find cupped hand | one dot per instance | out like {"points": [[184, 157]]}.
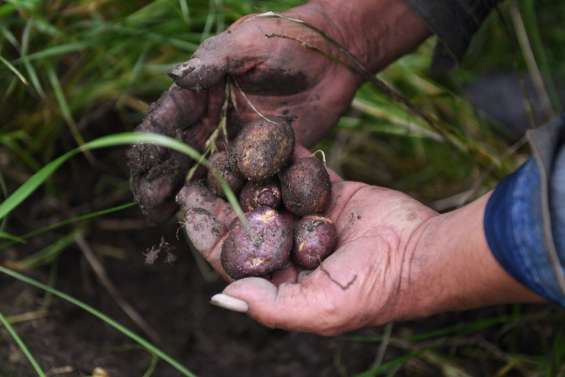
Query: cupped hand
{"points": [[270, 75], [364, 282]]}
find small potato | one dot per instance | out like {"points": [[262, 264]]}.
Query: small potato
{"points": [[260, 194], [262, 248], [306, 187], [225, 166], [315, 237], [263, 148]]}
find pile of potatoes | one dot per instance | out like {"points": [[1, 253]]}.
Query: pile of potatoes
{"points": [[282, 199]]}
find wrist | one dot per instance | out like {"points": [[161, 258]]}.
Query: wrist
{"points": [[377, 32], [456, 269]]}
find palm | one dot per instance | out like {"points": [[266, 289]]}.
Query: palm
{"points": [[374, 228]]}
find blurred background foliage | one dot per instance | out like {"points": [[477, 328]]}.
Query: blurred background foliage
{"points": [[71, 71]]}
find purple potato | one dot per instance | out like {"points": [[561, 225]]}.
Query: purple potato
{"points": [[261, 249], [306, 187], [260, 194], [263, 148], [315, 237], [226, 167]]}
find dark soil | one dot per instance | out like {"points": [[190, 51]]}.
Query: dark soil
{"points": [[173, 298]]}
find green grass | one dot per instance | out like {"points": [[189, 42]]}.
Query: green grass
{"points": [[22, 346], [62, 62]]}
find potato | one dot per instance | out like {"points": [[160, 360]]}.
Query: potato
{"points": [[226, 167], [260, 194], [263, 148], [315, 237], [262, 248], [306, 187]]}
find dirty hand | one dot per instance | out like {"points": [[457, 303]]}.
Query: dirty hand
{"points": [[395, 259], [267, 76], [273, 69]]}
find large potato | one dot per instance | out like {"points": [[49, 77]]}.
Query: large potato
{"points": [[315, 237], [263, 148], [306, 187], [262, 248]]}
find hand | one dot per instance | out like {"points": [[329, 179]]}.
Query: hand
{"points": [[396, 259], [275, 77], [271, 75]]}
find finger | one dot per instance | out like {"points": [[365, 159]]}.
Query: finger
{"points": [[307, 306], [156, 172], [213, 59], [206, 221], [286, 275], [196, 195], [203, 229]]}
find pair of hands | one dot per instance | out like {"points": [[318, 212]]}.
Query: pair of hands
{"points": [[392, 259]]}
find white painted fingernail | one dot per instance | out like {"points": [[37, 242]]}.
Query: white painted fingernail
{"points": [[229, 303]]}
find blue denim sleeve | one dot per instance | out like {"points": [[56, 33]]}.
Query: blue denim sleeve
{"points": [[526, 233]]}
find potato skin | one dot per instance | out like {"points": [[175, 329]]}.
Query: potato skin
{"points": [[260, 194], [306, 187], [315, 237], [225, 165], [263, 249], [263, 148]]}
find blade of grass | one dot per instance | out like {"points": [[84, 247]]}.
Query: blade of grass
{"points": [[29, 67], [46, 255], [11, 237], [64, 107], [4, 192], [530, 59], [109, 321], [76, 219], [389, 365], [531, 21], [14, 70], [152, 366], [22, 346], [61, 49], [26, 189]]}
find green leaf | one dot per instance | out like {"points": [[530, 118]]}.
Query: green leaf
{"points": [[26, 189], [22, 346], [14, 70], [54, 51], [109, 321], [76, 219], [45, 255], [390, 365], [11, 237]]}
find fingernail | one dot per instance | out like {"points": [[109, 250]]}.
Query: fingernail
{"points": [[230, 303]]}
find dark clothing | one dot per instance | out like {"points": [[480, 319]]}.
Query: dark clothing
{"points": [[454, 22]]}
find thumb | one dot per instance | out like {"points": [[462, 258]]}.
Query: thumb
{"points": [[206, 67], [235, 51], [289, 306]]}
